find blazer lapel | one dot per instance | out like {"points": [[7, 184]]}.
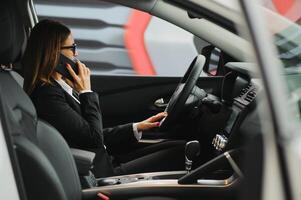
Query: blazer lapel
{"points": [[70, 100]]}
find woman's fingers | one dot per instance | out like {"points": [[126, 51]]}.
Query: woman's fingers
{"points": [[87, 71], [145, 125], [157, 117], [71, 71], [82, 79], [154, 124], [151, 125], [151, 122], [80, 67], [83, 69]]}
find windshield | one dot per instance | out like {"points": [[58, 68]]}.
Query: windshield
{"points": [[284, 18]]}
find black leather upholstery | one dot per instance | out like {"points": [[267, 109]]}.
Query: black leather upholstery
{"points": [[12, 33], [46, 163]]}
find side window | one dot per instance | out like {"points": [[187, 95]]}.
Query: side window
{"points": [[114, 39]]}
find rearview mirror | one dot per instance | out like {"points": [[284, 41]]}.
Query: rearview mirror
{"points": [[214, 59], [212, 55]]}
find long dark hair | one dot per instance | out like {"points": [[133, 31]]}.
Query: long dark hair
{"points": [[42, 53]]}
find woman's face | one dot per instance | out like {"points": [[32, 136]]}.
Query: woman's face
{"points": [[68, 48]]}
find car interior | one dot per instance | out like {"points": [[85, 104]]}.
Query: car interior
{"points": [[216, 115]]}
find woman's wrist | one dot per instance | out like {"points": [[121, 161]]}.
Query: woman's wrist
{"points": [[138, 126]]}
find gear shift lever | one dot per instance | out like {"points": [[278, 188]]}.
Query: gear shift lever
{"points": [[192, 150]]}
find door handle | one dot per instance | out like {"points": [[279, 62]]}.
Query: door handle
{"points": [[160, 103]]}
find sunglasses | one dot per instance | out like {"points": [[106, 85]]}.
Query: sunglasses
{"points": [[73, 47]]}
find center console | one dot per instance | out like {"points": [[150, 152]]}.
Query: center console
{"points": [[221, 174], [215, 172], [84, 162]]}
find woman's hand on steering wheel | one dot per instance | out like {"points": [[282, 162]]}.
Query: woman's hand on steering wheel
{"points": [[151, 122]]}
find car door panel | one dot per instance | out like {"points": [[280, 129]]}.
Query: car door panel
{"points": [[126, 99]]}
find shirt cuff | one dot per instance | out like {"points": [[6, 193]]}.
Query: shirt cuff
{"points": [[137, 134], [85, 91]]}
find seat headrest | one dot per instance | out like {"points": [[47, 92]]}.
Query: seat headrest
{"points": [[12, 32]]}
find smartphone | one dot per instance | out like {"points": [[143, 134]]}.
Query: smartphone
{"points": [[62, 69]]}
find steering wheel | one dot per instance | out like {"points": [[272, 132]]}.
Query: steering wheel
{"points": [[177, 101]]}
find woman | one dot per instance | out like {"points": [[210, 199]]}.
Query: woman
{"points": [[73, 109]]}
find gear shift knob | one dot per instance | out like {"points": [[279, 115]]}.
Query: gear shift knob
{"points": [[192, 150]]}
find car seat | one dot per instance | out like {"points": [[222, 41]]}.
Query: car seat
{"points": [[46, 163]]}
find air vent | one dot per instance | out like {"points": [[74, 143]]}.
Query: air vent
{"points": [[245, 90], [247, 95], [250, 96]]}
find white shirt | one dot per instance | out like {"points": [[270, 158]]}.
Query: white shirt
{"points": [[69, 89]]}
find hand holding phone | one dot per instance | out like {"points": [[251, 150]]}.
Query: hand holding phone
{"points": [[77, 72], [81, 81], [61, 67]]}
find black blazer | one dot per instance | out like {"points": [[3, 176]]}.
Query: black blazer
{"points": [[80, 124]]}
